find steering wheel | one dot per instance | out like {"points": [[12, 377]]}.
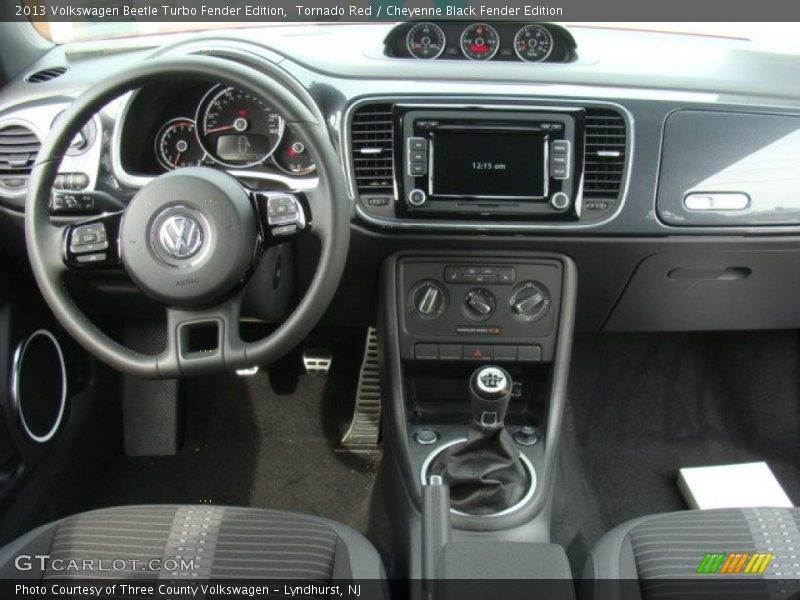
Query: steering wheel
{"points": [[191, 237]]}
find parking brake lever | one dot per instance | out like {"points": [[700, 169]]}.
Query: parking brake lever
{"points": [[435, 529]]}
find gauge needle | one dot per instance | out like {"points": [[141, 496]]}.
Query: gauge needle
{"points": [[178, 159], [223, 128]]}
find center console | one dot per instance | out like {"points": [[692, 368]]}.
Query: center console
{"points": [[475, 358]]}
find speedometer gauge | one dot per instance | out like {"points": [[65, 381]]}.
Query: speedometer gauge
{"points": [[237, 129], [425, 40], [533, 43], [480, 42], [177, 145]]}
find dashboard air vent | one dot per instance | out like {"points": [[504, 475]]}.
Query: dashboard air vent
{"points": [[18, 149], [371, 138], [46, 75], [604, 162]]}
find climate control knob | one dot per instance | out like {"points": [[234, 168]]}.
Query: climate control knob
{"points": [[479, 304], [428, 299], [529, 301]]}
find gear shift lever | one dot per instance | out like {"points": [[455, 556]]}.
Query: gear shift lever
{"points": [[485, 473], [489, 394]]}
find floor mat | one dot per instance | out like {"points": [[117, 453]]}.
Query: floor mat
{"points": [[257, 441], [642, 406]]}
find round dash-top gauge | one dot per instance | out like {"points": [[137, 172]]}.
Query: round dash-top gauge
{"points": [[533, 43], [426, 41], [480, 41]]}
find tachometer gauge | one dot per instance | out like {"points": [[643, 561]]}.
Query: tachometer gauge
{"points": [[177, 145], [237, 129], [480, 41], [293, 157], [425, 40], [533, 43]]}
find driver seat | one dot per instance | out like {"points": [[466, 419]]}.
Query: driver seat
{"points": [[192, 542]]}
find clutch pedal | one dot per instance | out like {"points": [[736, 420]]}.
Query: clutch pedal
{"points": [[365, 428], [317, 362]]}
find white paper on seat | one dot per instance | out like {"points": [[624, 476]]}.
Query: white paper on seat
{"points": [[732, 486]]}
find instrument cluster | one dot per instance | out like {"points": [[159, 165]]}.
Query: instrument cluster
{"points": [[531, 42], [218, 126]]}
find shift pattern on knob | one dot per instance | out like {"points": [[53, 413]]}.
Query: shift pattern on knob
{"points": [[492, 381], [490, 393]]}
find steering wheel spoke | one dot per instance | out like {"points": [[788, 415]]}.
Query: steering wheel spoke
{"points": [[283, 216], [199, 340], [93, 243]]}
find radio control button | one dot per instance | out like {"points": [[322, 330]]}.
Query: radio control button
{"points": [[560, 146], [417, 197], [559, 172], [417, 156], [416, 169], [559, 201], [417, 144], [559, 159]]}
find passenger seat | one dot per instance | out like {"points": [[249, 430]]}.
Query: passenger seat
{"points": [[673, 555]]}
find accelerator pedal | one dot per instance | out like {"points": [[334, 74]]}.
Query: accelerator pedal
{"points": [[365, 428]]}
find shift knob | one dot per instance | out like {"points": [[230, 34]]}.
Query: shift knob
{"points": [[489, 393]]}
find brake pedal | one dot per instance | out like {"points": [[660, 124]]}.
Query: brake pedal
{"points": [[365, 428], [317, 362]]}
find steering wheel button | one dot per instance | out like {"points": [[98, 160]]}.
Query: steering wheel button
{"points": [[91, 258], [85, 248], [284, 229]]}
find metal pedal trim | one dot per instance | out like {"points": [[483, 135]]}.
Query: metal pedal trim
{"points": [[365, 428], [317, 362]]}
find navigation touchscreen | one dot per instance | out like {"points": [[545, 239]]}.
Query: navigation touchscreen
{"points": [[489, 164]]}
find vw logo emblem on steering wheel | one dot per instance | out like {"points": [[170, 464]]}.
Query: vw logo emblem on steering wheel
{"points": [[178, 234], [181, 236]]}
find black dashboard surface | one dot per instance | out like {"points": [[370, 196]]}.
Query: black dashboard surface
{"points": [[645, 76]]}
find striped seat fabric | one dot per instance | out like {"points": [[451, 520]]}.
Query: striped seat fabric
{"points": [[197, 542], [742, 553]]}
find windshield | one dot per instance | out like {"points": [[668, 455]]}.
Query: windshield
{"points": [[780, 36]]}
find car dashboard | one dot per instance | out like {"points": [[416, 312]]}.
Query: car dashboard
{"points": [[643, 160]]}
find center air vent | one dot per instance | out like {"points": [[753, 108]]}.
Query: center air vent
{"points": [[18, 149], [46, 75], [371, 138], [604, 162]]}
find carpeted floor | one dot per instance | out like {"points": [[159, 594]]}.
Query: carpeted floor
{"points": [[264, 441], [642, 406]]}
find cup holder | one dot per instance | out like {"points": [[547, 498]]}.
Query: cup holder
{"points": [[39, 385], [426, 465]]}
